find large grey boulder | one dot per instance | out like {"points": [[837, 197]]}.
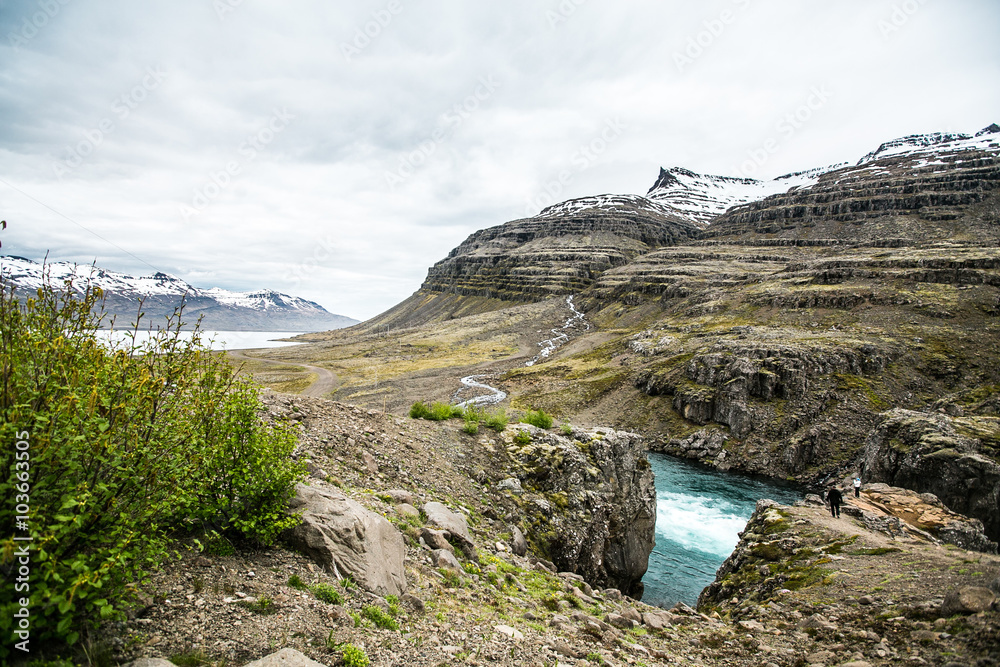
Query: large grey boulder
{"points": [[150, 662], [347, 539], [286, 657], [967, 600], [453, 522]]}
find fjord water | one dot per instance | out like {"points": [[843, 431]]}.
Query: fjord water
{"points": [[216, 340], [699, 513]]}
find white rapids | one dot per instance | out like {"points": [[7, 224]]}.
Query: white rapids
{"points": [[550, 345]]}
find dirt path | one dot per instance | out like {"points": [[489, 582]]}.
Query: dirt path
{"points": [[325, 381]]}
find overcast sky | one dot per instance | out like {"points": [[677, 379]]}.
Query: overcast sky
{"points": [[336, 150]]}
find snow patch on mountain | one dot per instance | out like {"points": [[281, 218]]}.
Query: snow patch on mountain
{"points": [[704, 197], [922, 145], [623, 203]]}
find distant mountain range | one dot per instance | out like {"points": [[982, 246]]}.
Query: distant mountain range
{"points": [[220, 310]]}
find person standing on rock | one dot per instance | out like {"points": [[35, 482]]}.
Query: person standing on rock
{"points": [[835, 498], [857, 486]]}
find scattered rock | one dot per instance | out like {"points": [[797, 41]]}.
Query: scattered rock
{"points": [[967, 600], [286, 657], [445, 558], [513, 633], [401, 496], [518, 544], [442, 517], [511, 484], [436, 539]]}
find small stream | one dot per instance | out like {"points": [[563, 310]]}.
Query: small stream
{"points": [[699, 513], [550, 345]]}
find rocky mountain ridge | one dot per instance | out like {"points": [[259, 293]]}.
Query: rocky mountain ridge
{"points": [[161, 293]]}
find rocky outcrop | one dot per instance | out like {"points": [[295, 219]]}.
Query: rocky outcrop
{"points": [[348, 540], [897, 511], [588, 503], [936, 453]]}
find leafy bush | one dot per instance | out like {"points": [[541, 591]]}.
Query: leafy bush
{"points": [[471, 426], [353, 656], [436, 412], [326, 593], [123, 445], [537, 418], [442, 411], [295, 581], [419, 411], [522, 438], [496, 420], [380, 617]]}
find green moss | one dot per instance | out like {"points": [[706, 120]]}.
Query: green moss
{"points": [[863, 386]]}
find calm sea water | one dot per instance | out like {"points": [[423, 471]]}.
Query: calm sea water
{"points": [[699, 513], [219, 340]]}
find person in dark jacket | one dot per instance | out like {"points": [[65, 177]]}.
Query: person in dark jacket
{"points": [[835, 498]]}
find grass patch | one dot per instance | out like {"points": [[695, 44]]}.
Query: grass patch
{"points": [[538, 418], [295, 581], [327, 593], [380, 617]]}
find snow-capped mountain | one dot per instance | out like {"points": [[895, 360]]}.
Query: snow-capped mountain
{"points": [[703, 197], [263, 310]]}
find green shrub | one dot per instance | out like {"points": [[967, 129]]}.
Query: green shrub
{"points": [[470, 426], [537, 418], [393, 601], [353, 656], [326, 593], [439, 412], [522, 438], [380, 617], [295, 581], [566, 429], [419, 411], [124, 445], [496, 420]]}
